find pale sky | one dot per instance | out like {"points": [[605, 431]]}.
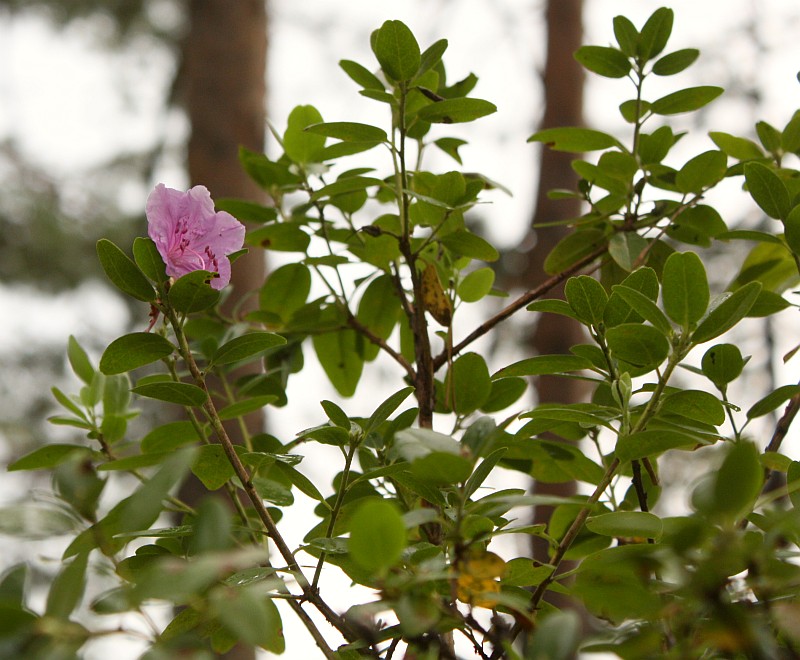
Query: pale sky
{"points": [[70, 106]]}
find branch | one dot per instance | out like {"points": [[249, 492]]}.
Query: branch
{"points": [[519, 303], [782, 427], [258, 504], [359, 327]]}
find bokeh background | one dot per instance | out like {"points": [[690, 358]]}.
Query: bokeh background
{"points": [[93, 113]]}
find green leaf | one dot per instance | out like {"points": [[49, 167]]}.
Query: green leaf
{"points": [[246, 406], [633, 110], [280, 237], [346, 185], [647, 443], [192, 292], [79, 361], [483, 470], [47, 457], [247, 211], [625, 249], [134, 350], [741, 469], [544, 364], [435, 458], [467, 244], [627, 35], [66, 590], [456, 111], [685, 292], [722, 364], [772, 401], [246, 346], [134, 462], [643, 306], [791, 226], [790, 138], [476, 285], [123, 273], [468, 384], [767, 189], [736, 147], [386, 408], [626, 524], [769, 135], [505, 391], [340, 357], [336, 415], [639, 345], [349, 131], [397, 51], [361, 75], [675, 62], [300, 145], [553, 306], [588, 299], [431, 56], [36, 521], [572, 248], [377, 535], [378, 310], [169, 437], [696, 225], [727, 314], [575, 139], [249, 616], [285, 290], [617, 310], [604, 61], [451, 146], [655, 33], [792, 476], [685, 100], [212, 467], [267, 173], [183, 394], [702, 171], [148, 258], [695, 404]]}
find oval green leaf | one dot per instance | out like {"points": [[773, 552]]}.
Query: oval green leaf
{"points": [[397, 50], [377, 535], [639, 345], [728, 313], [246, 346], [193, 293], [134, 350], [685, 292], [184, 394], [123, 273], [686, 100], [626, 524]]}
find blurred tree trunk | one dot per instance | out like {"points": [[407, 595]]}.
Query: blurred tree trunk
{"points": [[225, 55], [224, 91], [563, 91]]}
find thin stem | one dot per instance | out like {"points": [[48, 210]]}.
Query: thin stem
{"points": [[337, 507], [359, 327], [247, 484]]}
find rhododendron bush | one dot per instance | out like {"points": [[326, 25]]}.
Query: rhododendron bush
{"points": [[383, 263]]}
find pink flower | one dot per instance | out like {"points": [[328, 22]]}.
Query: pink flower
{"points": [[190, 235]]}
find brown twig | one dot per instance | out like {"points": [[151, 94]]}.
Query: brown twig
{"points": [[258, 504], [525, 299], [359, 327]]}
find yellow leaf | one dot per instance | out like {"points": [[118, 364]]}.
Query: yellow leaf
{"points": [[434, 299]]}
